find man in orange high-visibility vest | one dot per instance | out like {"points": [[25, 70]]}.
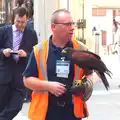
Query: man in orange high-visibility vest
{"points": [[48, 74]]}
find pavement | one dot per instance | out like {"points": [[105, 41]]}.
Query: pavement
{"points": [[103, 105]]}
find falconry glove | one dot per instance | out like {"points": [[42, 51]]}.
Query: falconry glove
{"points": [[82, 87]]}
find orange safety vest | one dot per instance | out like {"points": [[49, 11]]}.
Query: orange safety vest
{"points": [[39, 104]]}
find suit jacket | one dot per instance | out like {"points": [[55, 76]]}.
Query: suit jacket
{"points": [[9, 69], [30, 24]]}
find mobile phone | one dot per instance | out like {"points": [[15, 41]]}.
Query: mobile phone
{"points": [[14, 52]]}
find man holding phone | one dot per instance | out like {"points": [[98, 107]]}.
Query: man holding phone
{"points": [[16, 43]]}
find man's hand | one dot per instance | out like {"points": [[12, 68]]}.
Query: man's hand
{"points": [[6, 52], [56, 88], [22, 53]]}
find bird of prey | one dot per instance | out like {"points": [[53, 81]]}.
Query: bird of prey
{"points": [[88, 60]]}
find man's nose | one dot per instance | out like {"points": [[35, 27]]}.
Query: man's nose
{"points": [[72, 27]]}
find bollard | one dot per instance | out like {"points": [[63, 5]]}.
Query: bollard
{"points": [[97, 43]]}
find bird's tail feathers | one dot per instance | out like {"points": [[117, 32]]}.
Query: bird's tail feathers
{"points": [[104, 79], [109, 73]]}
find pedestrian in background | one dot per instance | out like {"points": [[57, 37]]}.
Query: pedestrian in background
{"points": [[16, 44], [28, 5]]}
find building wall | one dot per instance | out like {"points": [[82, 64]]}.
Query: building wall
{"points": [[102, 11], [103, 21], [80, 11]]}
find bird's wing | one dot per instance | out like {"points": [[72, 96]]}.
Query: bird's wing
{"points": [[85, 59]]}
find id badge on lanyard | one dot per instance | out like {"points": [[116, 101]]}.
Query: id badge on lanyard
{"points": [[62, 68]]}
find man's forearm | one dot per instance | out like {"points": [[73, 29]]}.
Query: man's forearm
{"points": [[36, 84]]}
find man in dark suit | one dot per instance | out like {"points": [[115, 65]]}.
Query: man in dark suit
{"points": [[16, 43], [28, 4]]}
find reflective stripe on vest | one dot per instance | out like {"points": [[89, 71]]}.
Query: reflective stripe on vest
{"points": [[40, 46]]}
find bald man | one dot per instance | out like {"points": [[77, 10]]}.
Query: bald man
{"points": [[48, 74]]}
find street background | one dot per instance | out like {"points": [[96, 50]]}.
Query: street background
{"points": [[103, 105]]}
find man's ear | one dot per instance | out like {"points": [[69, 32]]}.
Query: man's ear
{"points": [[52, 26]]}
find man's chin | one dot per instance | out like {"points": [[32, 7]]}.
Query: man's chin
{"points": [[70, 37], [21, 29]]}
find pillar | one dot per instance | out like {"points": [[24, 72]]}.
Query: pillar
{"points": [[88, 18], [82, 9], [43, 10]]}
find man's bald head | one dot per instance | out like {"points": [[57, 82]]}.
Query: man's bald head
{"points": [[62, 25], [58, 13]]}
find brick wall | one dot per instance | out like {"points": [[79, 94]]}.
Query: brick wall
{"points": [[102, 11]]}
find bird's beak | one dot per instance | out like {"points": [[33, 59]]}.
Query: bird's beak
{"points": [[64, 51]]}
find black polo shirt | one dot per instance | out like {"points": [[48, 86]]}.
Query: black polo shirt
{"points": [[53, 55]]}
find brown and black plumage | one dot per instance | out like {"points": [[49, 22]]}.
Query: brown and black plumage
{"points": [[89, 60]]}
